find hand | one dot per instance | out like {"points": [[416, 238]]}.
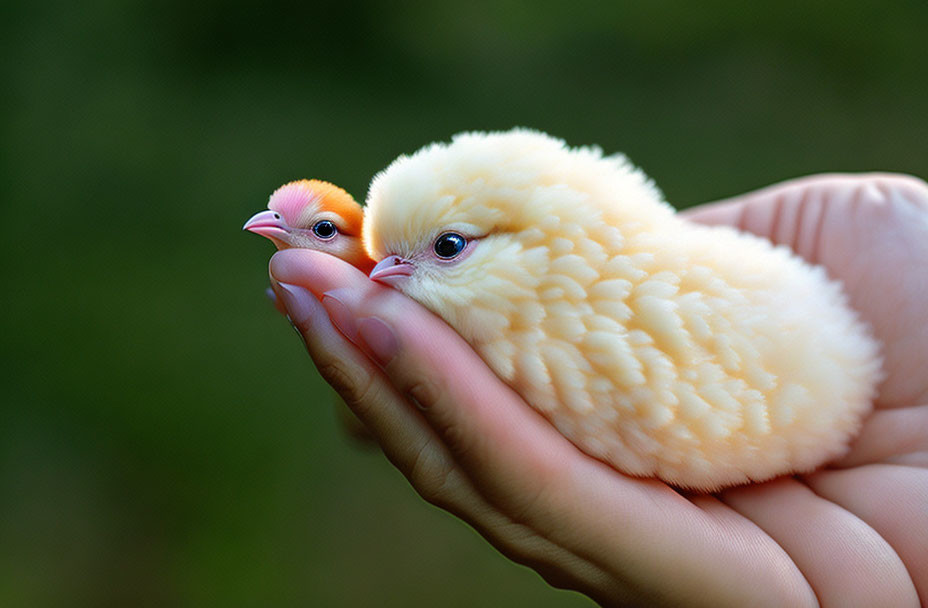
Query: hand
{"points": [[854, 533]]}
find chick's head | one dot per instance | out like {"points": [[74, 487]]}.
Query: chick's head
{"points": [[313, 214], [470, 229]]}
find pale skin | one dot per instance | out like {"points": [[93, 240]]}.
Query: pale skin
{"points": [[854, 533]]}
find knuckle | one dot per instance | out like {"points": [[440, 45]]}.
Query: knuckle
{"points": [[525, 510], [354, 386], [558, 566], [880, 189], [441, 416], [910, 182], [520, 543], [535, 500], [423, 393], [431, 473], [914, 188], [454, 436]]}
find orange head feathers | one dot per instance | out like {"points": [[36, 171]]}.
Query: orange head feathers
{"points": [[314, 214]]}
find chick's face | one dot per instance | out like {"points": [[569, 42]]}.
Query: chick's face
{"points": [[443, 263], [313, 214], [482, 229], [463, 246]]}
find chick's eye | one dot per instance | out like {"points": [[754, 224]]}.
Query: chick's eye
{"points": [[449, 245], [325, 229]]}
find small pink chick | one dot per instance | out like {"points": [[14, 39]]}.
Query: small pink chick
{"points": [[313, 214]]}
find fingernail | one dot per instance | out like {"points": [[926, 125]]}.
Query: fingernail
{"points": [[341, 316], [379, 338], [298, 302]]}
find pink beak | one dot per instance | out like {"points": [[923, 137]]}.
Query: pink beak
{"points": [[391, 270], [269, 224]]}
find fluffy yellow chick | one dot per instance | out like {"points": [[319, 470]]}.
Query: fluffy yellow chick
{"points": [[313, 214], [699, 355]]}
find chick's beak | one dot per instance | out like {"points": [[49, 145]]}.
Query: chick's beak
{"points": [[268, 224], [391, 270]]}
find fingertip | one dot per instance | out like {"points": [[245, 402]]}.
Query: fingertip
{"points": [[726, 213], [314, 270], [293, 265]]}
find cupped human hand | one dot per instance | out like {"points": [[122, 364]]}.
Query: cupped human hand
{"points": [[852, 534]]}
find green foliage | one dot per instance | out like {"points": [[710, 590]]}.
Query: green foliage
{"points": [[163, 438]]}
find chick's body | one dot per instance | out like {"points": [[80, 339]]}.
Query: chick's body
{"points": [[702, 356]]}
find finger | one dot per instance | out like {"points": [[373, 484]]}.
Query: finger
{"points": [[406, 440], [349, 372], [893, 500], [318, 272], [412, 447], [637, 530], [846, 561], [480, 419], [898, 436], [497, 429], [560, 567]]}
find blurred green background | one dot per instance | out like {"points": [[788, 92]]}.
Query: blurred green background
{"points": [[164, 439]]}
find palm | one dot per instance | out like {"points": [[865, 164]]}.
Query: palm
{"points": [[870, 233], [856, 532]]}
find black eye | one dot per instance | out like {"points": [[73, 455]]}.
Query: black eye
{"points": [[276, 216], [449, 245], [325, 229]]}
